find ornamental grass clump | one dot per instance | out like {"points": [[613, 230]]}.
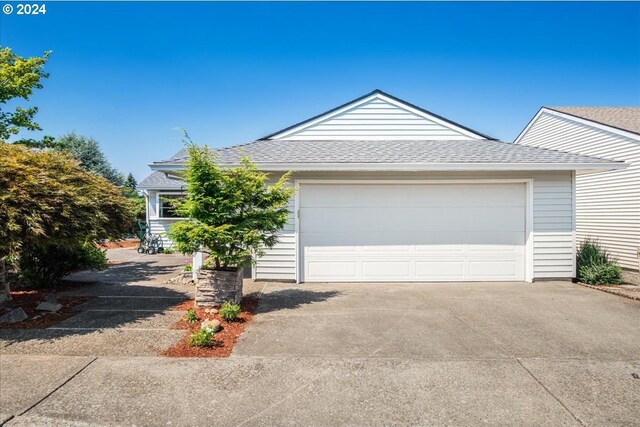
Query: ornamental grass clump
{"points": [[595, 266]]}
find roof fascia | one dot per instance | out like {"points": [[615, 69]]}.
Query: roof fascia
{"points": [[604, 166]]}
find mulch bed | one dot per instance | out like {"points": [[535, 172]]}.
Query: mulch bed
{"points": [[129, 243], [29, 300], [224, 340]]}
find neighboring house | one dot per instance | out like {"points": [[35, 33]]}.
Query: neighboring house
{"points": [[388, 191], [607, 203]]}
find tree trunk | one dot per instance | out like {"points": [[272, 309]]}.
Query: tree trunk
{"points": [[5, 296]]}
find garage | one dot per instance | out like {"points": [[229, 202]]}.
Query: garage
{"points": [[443, 231]]}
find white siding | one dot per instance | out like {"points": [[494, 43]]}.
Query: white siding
{"points": [[158, 225], [553, 247], [161, 227], [607, 203], [377, 119], [279, 262]]}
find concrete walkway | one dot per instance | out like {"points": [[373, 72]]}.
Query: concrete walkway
{"points": [[349, 354], [128, 314]]}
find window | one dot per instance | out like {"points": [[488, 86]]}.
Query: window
{"points": [[166, 209]]}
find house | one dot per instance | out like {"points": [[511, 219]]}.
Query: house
{"points": [[607, 203], [388, 191]]}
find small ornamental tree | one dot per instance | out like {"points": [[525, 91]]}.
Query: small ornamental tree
{"points": [[47, 200], [232, 212]]}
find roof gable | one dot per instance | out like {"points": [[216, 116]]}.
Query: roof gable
{"points": [[377, 116], [617, 120]]}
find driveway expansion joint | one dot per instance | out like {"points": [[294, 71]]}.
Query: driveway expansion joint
{"points": [[58, 387], [551, 393]]}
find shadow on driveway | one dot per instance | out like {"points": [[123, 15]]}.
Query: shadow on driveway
{"points": [[128, 313], [289, 299]]}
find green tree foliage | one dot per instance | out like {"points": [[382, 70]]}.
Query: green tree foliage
{"points": [[232, 212], [131, 182], [46, 198], [87, 151], [19, 77], [46, 263]]}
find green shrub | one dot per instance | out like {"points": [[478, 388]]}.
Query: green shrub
{"points": [[601, 274], [201, 338], [168, 251], [44, 265], [591, 253], [595, 265], [187, 267], [191, 316], [229, 311]]}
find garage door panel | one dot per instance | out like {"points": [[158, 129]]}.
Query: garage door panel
{"points": [[436, 195], [352, 219], [331, 269], [440, 270], [412, 232], [385, 269], [421, 241], [493, 270]]}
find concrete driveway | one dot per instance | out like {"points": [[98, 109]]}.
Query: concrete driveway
{"points": [[366, 354]]}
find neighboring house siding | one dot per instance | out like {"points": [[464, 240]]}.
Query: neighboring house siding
{"points": [[553, 228], [376, 119], [607, 203]]}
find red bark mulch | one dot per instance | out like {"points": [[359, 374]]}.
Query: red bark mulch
{"points": [[29, 300], [224, 340], [129, 243]]}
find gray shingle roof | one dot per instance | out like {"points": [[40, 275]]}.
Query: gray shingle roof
{"points": [[161, 180], [391, 152], [625, 118]]}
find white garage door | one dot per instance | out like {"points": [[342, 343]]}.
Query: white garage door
{"points": [[412, 232]]}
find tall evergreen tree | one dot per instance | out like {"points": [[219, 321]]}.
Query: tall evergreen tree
{"points": [[131, 182], [87, 151]]}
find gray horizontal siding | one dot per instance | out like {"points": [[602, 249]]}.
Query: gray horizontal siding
{"points": [[279, 262], [607, 203], [553, 241], [377, 119], [553, 253]]}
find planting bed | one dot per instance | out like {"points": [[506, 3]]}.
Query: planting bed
{"points": [[224, 340], [29, 300], [129, 243]]}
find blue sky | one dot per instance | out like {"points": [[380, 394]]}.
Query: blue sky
{"points": [[129, 74]]}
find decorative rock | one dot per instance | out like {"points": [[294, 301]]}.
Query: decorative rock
{"points": [[183, 278], [51, 298], [48, 306], [14, 316], [211, 325], [211, 310]]}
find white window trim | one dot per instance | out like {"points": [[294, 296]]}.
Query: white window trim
{"points": [[157, 203], [528, 277]]}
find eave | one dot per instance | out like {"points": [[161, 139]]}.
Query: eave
{"points": [[421, 167]]}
